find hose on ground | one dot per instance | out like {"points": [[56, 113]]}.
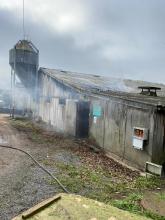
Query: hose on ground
{"points": [[34, 160]]}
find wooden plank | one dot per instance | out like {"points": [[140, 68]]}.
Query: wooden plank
{"points": [[32, 211]]}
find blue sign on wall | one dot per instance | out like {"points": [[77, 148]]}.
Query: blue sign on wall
{"points": [[97, 110]]}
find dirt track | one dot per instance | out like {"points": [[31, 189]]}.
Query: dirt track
{"points": [[22, 183]]}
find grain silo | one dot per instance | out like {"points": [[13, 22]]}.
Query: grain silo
{"points": [[23, 59]]}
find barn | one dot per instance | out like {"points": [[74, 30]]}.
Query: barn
{"points": [[128, 125]]}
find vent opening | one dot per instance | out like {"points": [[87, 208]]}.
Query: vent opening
{"points": [[149, 90]]}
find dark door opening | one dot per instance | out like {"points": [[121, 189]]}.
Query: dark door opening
{"points": [[82, 119], [163, 170]]}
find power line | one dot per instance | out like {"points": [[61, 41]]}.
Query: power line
{"points": [[23, 18]]}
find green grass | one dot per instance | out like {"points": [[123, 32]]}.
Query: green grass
{"points": [[34, 132], [98, 185], [132, 204], [80, 179], [162, 196], [152, 182], [82, 175]]}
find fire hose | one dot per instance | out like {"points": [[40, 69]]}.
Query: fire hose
{"points": [[36, 162]]}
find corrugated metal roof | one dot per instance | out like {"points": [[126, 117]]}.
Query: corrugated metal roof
{"points": [[88, 81], [107, 86]]}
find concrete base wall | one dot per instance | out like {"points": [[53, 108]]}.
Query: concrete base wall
{"points": [[113, 130]]}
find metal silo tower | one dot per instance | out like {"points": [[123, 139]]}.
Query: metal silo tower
{"points": [[24, 61]]}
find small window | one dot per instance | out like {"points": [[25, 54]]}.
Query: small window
{"points": [[97, 110], [62, 101], [48, 99]]}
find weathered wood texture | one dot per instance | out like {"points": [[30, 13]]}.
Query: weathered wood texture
{"points": [[113, 130]]}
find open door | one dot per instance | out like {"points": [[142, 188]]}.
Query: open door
{"points": [[82, 119]]}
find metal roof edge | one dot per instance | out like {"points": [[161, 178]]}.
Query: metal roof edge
{"points": [[94, 93]]}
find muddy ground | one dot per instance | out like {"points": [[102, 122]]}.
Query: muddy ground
{"points": [[82, 170]]}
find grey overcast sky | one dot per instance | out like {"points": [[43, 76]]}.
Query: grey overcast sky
{"points": [[119, 38]]}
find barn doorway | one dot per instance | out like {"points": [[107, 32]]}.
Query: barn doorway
{"points": [[82, 119]]}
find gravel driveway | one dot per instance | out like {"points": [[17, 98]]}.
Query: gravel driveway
{"points": [[22, 183]]}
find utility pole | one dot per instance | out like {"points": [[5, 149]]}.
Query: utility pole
{"points": [[13, 85], [11, 92]]}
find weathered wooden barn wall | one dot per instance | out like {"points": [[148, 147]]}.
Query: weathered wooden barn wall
{"points": [[113, 129], [61, 117], [57, 104], [158, 152]]}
